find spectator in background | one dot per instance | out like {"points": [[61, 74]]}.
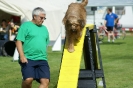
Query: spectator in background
{"points": [[4, 30], [13, 31], [118, 25], [109, 23]]}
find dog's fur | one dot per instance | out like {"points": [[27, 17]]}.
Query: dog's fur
{"points": [[74, 21]]}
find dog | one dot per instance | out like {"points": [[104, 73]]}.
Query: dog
{"points": [[74, 21]]}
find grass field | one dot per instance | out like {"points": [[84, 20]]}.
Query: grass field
{"points": [[117, 61]]}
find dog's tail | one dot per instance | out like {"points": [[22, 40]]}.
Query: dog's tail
{"points": [[84, 2]]}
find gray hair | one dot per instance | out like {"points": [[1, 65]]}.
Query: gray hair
{"points": [[37, 11]]}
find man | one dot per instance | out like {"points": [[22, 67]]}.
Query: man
{"points": [[110, 20], [31, 41]]}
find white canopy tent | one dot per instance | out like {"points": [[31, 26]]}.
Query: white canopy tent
{"points": [[23, 8]]}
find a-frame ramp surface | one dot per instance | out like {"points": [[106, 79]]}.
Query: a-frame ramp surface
{"points": [[70, 65]]}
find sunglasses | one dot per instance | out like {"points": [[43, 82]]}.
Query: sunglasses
{"points": [[42, 18]]}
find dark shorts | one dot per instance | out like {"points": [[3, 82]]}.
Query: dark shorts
{"points": [[110, 28], [35, 69]]}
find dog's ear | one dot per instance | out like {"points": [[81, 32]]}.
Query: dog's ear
{"points": [[82, 23], [64, 20]]}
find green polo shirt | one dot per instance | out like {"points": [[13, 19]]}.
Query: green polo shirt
{"points": [[35, 40]]}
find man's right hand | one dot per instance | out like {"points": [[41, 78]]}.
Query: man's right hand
{"points": [[20, 50], [23, 59]]}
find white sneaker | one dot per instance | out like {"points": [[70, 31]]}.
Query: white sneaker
{"points": [[108, 40]]}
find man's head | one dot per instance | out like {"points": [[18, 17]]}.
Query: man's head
{"points": [[109, 10], [39, 15]]}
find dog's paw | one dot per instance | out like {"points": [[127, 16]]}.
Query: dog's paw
{"points": [[77, 39], [79, 36], [71, 50]]}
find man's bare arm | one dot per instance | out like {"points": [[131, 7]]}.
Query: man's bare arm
{"points": [[105, 23], [21, 53]]}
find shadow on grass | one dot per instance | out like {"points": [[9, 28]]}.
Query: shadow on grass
{"points": [[55, 86], [111, 43]]}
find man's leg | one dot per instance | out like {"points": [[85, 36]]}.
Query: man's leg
{"points": [[43, 72], [27, 83], [109, 36], [112, 32], [108, 29], [113, 36], [44, 83], [28, 73]]}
